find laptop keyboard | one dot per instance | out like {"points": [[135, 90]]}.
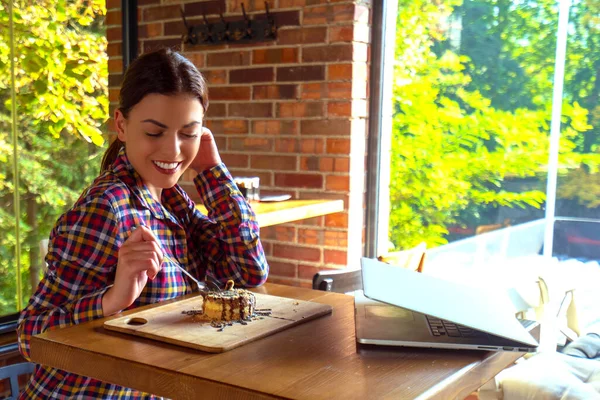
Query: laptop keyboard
{"points": [[441, 327]]}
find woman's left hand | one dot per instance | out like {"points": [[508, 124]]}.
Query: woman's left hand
{"points": [[208, 154]]}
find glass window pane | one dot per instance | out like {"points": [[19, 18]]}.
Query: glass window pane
{"points": [[473, 97], [61, 107]]}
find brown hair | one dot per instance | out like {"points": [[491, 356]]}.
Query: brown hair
{"points": [[163, 72]]}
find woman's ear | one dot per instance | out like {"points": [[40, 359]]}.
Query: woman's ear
{"points": [[120, 123]]}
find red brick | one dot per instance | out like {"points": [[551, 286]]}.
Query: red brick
{"points": [[339, 109], [336, 127], [230, 93], [215, 77], [287, 55], [114, 34], [250, 144], [115, 65], [161, 13], [310, 236], [249, 5], [335, 257], [301, 253], [315, 221], [198, 59], [336, 238], [113, 17], [281, 233], [114, 50], [230, 58], [329, 53], [151, 45], [250, 75], [229, 126], [344, 33], [299, 180], [328, 14], [113, 95], [204, 8], [277, 268], [337, 183], [302, 35], [265, 92], [282, 18], [273, 162], [301, 73], [235, 160], [110, 4], [150, 30], [251, 110], [307, 271], [114, 79], [338, 72], [338, 146], [336, 220], [287, 145], [312, 146], [300, 110], [325, 164], [323, 90], [275, 127], [216, 110], [177, 28]]}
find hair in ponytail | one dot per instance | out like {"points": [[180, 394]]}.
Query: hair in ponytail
{"points": [[162, 72]]}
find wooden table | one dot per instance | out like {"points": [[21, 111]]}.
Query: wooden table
{"points": [[279, 212], [314, 360]]}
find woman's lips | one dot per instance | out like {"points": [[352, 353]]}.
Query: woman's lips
{"points": [[166, 168]]}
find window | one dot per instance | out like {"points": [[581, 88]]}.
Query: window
{"points": [[53, 79], [473, 106]]}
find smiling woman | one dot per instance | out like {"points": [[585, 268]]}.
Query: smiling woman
{"points": [[164, 146], [126, 240]]}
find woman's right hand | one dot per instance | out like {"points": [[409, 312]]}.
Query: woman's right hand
{"points": [[140, 259]]}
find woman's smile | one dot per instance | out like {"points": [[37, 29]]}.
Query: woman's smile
{"points": [[167, 167]]}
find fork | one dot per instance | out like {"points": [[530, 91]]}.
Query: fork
{"points": [[209, 285]]}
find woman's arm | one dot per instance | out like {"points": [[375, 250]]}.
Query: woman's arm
{"points": [[81, 263], [229, 238]]}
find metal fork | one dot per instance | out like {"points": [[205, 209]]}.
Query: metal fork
{"points": [[209, 285]]}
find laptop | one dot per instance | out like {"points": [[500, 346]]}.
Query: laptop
{"points": [[400, 307]]}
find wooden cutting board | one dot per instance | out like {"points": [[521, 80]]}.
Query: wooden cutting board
{"points": [[169, 324]]}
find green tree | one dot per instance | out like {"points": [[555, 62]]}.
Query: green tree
{"points": [[61, 93], [459, 130]]}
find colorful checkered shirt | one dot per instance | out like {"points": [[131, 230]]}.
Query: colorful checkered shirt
{"points": [[83, 251]]}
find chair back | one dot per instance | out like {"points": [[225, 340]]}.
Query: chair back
{"points": [[12, 373]]}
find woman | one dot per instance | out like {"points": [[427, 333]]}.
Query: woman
{"points": [[120, 246]]}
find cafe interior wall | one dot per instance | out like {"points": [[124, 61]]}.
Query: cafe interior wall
{"points": [[292, 111]]}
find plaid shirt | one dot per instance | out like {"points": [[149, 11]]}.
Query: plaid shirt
{"points": [[83, 251]]}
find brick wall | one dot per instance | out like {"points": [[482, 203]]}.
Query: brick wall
{"points": [[292, 111]]}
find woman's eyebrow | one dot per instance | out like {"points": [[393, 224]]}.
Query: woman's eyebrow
{"points": [[192, 124], [155, 122], [152, 121]]}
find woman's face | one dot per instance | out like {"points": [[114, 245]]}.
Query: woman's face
{"points": [[162, 137]]}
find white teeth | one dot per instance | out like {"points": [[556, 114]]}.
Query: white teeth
{"points": [[166, 165]]}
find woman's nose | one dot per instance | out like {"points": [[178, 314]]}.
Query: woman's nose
{"points": [[171, 146]]}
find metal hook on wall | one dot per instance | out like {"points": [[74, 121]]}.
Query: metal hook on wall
{"points": [[229, 30]]}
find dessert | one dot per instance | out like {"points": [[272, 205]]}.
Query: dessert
{"points": [[229, 305]]}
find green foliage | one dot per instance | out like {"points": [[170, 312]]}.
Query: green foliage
{"points": [[61, 80], [471, 115]]}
